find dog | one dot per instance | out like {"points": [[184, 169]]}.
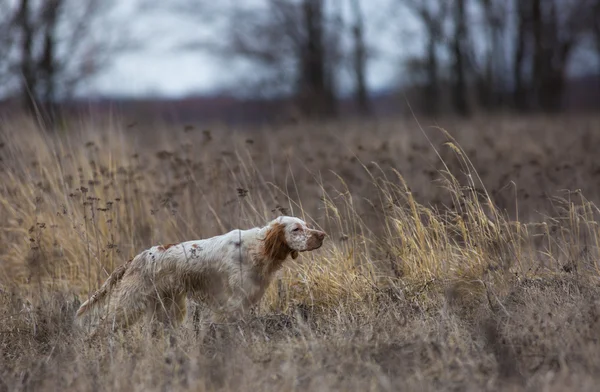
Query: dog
{"points": [[229, 273]]}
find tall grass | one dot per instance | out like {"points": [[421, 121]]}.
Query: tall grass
{"points": [[76, 204], [81, 203]]}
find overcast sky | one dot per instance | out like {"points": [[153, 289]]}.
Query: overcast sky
{"points": [[159, 67]]}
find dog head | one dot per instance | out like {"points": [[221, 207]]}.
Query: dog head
{"points": [[288, 235]]}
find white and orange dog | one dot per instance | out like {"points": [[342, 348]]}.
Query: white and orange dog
{"points": [[229, 273]]}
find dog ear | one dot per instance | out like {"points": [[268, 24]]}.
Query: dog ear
{"points": [[294, 254], [275, 246]]}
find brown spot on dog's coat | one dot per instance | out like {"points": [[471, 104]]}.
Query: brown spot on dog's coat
{"points": [[166, 247], [195, 246]]}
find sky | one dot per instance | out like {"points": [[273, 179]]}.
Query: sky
{"points": [[158, 66]]}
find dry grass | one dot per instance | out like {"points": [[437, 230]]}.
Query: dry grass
{"points": [[463, 262]]}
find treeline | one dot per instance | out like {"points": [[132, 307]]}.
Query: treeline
{"points": [[473, 54], [504, 54], [50, 48]]}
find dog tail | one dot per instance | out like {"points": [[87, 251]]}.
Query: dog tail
{"points": [[101, 293]]}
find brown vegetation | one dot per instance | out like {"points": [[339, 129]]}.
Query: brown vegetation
{"points": [[466, 264]]}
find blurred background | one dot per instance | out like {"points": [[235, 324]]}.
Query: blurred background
{"points": [[258, 61], [465, 254]]}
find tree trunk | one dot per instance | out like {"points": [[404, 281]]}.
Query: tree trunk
{"points": [[494, 80], [47, 64], [537, 70], [432, 90], [28, 77], [596, 31], [460, 89], [315, 90], [520, 98], [360, 61], [553, 47], [553, 87]]}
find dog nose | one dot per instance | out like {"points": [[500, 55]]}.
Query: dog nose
{"points": [[320, 235]]}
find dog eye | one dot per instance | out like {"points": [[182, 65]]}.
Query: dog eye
{"points": [[296, 229]]}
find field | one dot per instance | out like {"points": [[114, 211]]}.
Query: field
{"points": [[461, 255]]}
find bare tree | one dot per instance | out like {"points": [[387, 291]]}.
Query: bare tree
{"points": [[595, 27], [37, 70], [545, 33], [315, 88], [459, 52], [52, 46], [432, 14], [550, 30], [359, 59], [520, 90], [493, 83], [293, 45], [6, 42]]}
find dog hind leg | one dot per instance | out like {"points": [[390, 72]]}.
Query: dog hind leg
{"points": [[130, 304]]}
